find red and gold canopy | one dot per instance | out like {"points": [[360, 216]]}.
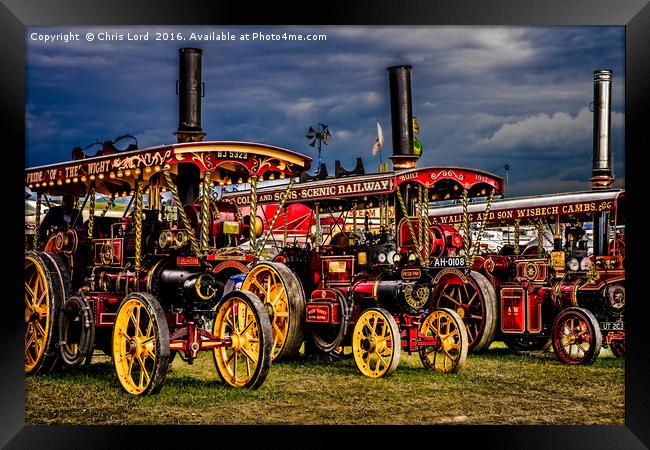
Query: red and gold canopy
{"points": [[228, 161]]}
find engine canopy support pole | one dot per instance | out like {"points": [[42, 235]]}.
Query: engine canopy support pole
{"points": [[205, 212], [253, 214], [137, 213], [427, 225], [317, 240], [516, 238], [37, 221], [465, 225], [275, 217], [91, 210], [285, 235]]}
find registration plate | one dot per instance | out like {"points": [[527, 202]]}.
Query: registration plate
{"points": [[187, 261], [612, 326], [450, 261]]}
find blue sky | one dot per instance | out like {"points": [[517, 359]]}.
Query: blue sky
{"points": [[483, 96]]}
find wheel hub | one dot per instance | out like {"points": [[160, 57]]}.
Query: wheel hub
{"points": [[368, 344], [32, 315], [448, 343], [238, 341], [461, 312]]}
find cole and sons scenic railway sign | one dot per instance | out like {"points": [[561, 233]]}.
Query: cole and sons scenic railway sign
{"points": [[370, 184]]}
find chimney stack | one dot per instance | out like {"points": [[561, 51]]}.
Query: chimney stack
{"points": [[602, 175], [189, 89], [399, 78]]}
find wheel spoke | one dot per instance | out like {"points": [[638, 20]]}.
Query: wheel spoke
{"points": [[235, 327], [466, 293], [472, 299], [29, 290], [259, 286], [452, 299], [278, 296], [268, 286], [246, 327], [32, 336], [447, 355], [149, 336], [40, 329], [470, 336], [232, 355], [129, 368], [278, 333], [40, 299], [248, 356]]}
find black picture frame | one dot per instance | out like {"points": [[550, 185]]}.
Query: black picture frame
{"points": [[15, 15]]}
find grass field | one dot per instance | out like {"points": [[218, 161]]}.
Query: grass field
{"points": [[494, 388]]}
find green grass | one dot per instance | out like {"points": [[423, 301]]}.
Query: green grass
{"points": [[493, 388]]}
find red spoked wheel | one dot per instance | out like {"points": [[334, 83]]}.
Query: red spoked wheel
{"points": [[474, 302], [576, 336]]}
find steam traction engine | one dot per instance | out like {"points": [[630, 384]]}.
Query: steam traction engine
{"points": [[372, 285], [564, 289], [143, 287]]}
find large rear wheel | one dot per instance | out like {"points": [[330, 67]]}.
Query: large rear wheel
{"points": [[47, 285], [241, 317], [475, 303], [141, 344], [284, 299]]}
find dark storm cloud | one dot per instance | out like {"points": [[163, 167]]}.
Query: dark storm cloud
{"points": [[484, 96]]}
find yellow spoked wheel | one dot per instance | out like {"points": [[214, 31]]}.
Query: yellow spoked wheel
{"points": [[141, 344], [46, 286], [475, 303], [450, 355], [284, 300], [242, 318], [376, 344]]}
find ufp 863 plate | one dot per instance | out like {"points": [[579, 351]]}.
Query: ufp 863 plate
{"points": [[612, 326], [449, 261]]}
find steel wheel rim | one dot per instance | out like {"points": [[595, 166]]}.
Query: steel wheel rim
{"points": [[574, 338], [265, 282], [445, 357], [134, 346], [373, 343], [238, 362], [37, 306], [472, 311]]}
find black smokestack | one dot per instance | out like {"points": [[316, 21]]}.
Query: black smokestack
{"points": [[601, 174], [189, 89], [399, 79]]}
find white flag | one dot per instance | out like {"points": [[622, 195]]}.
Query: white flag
{"points": [[379, 142]]}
